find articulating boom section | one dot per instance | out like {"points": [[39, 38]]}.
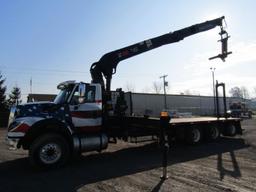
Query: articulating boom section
{"points": [[106, 66]]}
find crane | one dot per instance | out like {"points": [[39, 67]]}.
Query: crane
{"points": [[107, 64]]}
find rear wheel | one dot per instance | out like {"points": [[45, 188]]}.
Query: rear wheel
{"points": [[212, 133], [193, 135], [230, 130], [48, 151]]}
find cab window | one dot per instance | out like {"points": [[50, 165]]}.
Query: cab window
{"points": [[89, 96]]}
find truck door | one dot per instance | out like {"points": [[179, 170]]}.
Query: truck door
{"points": [[86, 110]]}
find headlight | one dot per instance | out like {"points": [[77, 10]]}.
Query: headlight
{"points": [[13, 124]]}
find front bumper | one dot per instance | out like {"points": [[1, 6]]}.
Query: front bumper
{"points": [[16, 130], [15, 135], [11, 142]]}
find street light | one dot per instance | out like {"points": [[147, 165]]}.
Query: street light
{"points": [[213, 88], [165, 84]]}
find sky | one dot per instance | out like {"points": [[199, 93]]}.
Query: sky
{"points": [[54, 41]]}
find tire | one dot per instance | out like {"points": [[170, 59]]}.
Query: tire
{"points": [[193, 136], [212, 133], [230, 130], [49, 151]]}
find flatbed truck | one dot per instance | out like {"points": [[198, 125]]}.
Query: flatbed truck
{"points": [[84, 117]]}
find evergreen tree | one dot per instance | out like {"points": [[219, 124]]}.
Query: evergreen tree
{"points": [[14, 97], [3, 105]]}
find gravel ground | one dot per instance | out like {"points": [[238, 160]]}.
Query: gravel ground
{"points": [[226, 165]]}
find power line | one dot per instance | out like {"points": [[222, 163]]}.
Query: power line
{"points": [[45, 70], [18, 70]]}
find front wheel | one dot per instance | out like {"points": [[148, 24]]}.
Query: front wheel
{"points": [[49, 151]]}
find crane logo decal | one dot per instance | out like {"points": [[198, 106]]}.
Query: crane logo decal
{"points": [[149, 43]]}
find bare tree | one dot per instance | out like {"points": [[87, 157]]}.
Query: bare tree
{"points": [[190, 92], [157, 87], [129, 87], [245, 92], [187, 92], [146, 90], [236, 92], [240, 92]]}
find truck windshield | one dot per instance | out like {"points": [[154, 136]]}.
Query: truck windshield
{"points": [[62, 96]]}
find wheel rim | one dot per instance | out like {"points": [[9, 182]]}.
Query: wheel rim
{"points": [[50, 153], [196, 135], [232, 130], [214, 132]]}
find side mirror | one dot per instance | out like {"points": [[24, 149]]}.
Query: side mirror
{"points": [[81, 89]]}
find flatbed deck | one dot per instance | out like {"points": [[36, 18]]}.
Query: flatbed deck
{"points": [[192, 120], [201, 119], [136, 126]]}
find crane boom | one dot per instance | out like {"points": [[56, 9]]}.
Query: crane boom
{"points": [[107, 64]]}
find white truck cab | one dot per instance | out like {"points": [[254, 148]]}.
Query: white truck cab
{"points": [[85, 104]]}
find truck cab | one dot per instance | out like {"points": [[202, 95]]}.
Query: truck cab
{"points": [[78, 106], [53, 130], [239, 110], [84, 104]]}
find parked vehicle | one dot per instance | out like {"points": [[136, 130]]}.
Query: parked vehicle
{"points": [[239, 110], [85, 116]]}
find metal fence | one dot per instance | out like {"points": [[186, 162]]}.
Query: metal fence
{"points": [[197, 105]]}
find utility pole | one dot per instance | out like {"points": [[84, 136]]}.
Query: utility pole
{"points": [[165, 84], [30, 83], [213, 88]]}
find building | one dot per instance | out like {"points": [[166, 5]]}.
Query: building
{"points": [[141, 103], [154, 103], [40, 97]]}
